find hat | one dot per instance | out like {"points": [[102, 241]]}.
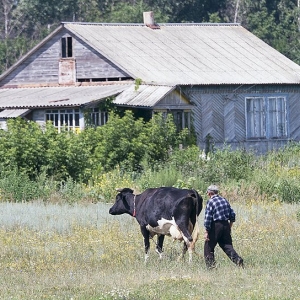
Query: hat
{"points": [[213, 188]]}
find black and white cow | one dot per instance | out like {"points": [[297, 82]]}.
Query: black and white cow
{"points": [[162, 211]]}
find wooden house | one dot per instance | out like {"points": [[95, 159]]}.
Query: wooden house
{"points": [[233, 87]]}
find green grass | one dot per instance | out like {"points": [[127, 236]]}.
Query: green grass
{"points": [[81, 252]]}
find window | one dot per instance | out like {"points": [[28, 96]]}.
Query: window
{"points": [[266, 117], [66, 47], [98, 117], [255, 117], [64, 118], [182, 119]]}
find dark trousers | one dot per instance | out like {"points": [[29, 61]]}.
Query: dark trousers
{"points": [[220, 233]]}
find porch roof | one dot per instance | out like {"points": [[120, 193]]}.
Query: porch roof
{"points": [[66, 96], [143, 95], [47, 97]]}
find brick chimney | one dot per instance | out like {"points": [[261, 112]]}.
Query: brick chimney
{"points": [[149, 20]]}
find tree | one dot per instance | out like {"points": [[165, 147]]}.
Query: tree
{"points": [[278, 28], [125, 12]]}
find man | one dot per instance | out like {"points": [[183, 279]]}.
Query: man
{"points": [[218, 220]]}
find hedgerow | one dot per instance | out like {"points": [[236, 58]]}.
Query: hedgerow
{"points": [[40, 163]]}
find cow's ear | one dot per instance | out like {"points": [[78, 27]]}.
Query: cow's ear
{"points": [[126, 190]]}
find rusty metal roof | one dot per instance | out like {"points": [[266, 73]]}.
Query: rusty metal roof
{"points": [[143, 95], [189, 53], [56, 96]]}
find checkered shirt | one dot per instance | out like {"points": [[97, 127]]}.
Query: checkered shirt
{"points": [[217, 209]]}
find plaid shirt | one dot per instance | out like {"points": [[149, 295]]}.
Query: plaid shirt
{"points": [[217, 209]]}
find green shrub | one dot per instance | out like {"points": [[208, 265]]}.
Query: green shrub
{"points": [[227, 164], [122, 143], [160, 176], [17, 187], [288, 190]]}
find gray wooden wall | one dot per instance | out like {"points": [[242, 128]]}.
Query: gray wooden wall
{"points": [[42, 67], [220, 112]]}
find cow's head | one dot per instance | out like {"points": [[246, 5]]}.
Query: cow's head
{"points": [[122, 206]]}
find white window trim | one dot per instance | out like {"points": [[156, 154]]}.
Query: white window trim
{"points": [[62, 112]]}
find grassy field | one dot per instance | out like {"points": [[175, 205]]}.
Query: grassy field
{"points": [[81, 252]]}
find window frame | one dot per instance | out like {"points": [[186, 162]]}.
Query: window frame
{"points": [[266, 118], [184, 116], [64, 118], [67, 47], [97, 117]]}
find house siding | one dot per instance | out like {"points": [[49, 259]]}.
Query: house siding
{"points": [[90, 64], [219, 113], [294, 113], [39, 117], [42, 67], [173, 100]]}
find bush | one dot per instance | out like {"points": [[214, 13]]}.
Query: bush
{"points": [[122, 142], [18, 187]]}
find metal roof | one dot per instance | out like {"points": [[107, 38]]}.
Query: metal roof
{"points": [[56, 96], [197, 54], [13, 113], [144, 95]]}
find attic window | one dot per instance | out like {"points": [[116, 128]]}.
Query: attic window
{"points": [[66, 47]]}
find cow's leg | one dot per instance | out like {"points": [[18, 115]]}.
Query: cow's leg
{"points": [[159, 245], [190, 247], [146, 235], [184, 250]]}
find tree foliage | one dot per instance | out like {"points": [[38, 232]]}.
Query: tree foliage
{"points": [[125, 142]]}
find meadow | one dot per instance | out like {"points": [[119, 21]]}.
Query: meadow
{"points": [[58, 241], [79, 251]]}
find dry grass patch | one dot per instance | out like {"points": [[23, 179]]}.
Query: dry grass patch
{"points": [[104, 259]]}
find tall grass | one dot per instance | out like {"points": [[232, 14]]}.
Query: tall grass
{"points": [[273, 176], [81, 252]]}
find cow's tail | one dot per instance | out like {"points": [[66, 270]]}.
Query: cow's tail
{"points": [[198, 207], [199, 202]]}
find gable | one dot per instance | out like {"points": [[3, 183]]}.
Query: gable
{"points": [[45, 66], [174, 100]]}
